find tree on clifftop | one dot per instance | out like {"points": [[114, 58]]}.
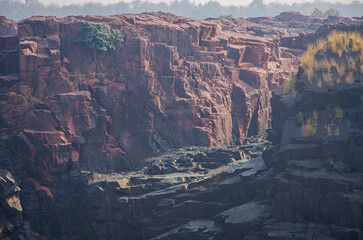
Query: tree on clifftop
{"points": [[98, 37]]}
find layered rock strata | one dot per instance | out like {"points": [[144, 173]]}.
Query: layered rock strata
{"points": [[104, 111], [70, 116], [307, 185]]}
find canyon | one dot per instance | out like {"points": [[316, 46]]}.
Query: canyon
{"points": [[164, 137]]}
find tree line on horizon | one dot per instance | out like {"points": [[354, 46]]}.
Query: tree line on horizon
{"points": [[16, 10], [330, 12]]}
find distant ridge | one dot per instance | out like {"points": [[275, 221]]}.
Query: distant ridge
{"points": [[17, 10]]}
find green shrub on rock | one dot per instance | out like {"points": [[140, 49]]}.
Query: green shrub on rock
{"points": [[98, 37]]}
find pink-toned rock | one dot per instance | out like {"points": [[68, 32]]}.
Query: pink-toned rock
{"points": [[292, 16], [173, 82], [46, 137], [73, 110], [8, 27], [44, 154], [170, 84]]}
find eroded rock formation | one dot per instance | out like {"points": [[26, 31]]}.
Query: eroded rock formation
{"points": [[70, 116], [7, 27], [104, 111]]}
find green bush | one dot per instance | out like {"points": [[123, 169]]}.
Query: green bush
{"points": [[98, 37]]}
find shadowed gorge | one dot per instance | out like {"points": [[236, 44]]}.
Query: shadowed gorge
{"points": [[153, 126]]}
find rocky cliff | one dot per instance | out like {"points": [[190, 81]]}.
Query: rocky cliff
{"points": [[71, 116], [307, 184], [317, 140], [105, 111]]}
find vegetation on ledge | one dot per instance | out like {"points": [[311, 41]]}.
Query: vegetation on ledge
{"points": [[331, 62], [98, 37], [334, 63]]}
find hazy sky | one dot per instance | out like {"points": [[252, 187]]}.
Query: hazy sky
{"points": [[223, 2]]}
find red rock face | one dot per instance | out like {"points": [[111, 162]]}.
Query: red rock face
{"points": [[173, 82], [7, 27]]}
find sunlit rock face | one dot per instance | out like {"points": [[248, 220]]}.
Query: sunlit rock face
{"points": [[173, 82]]}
